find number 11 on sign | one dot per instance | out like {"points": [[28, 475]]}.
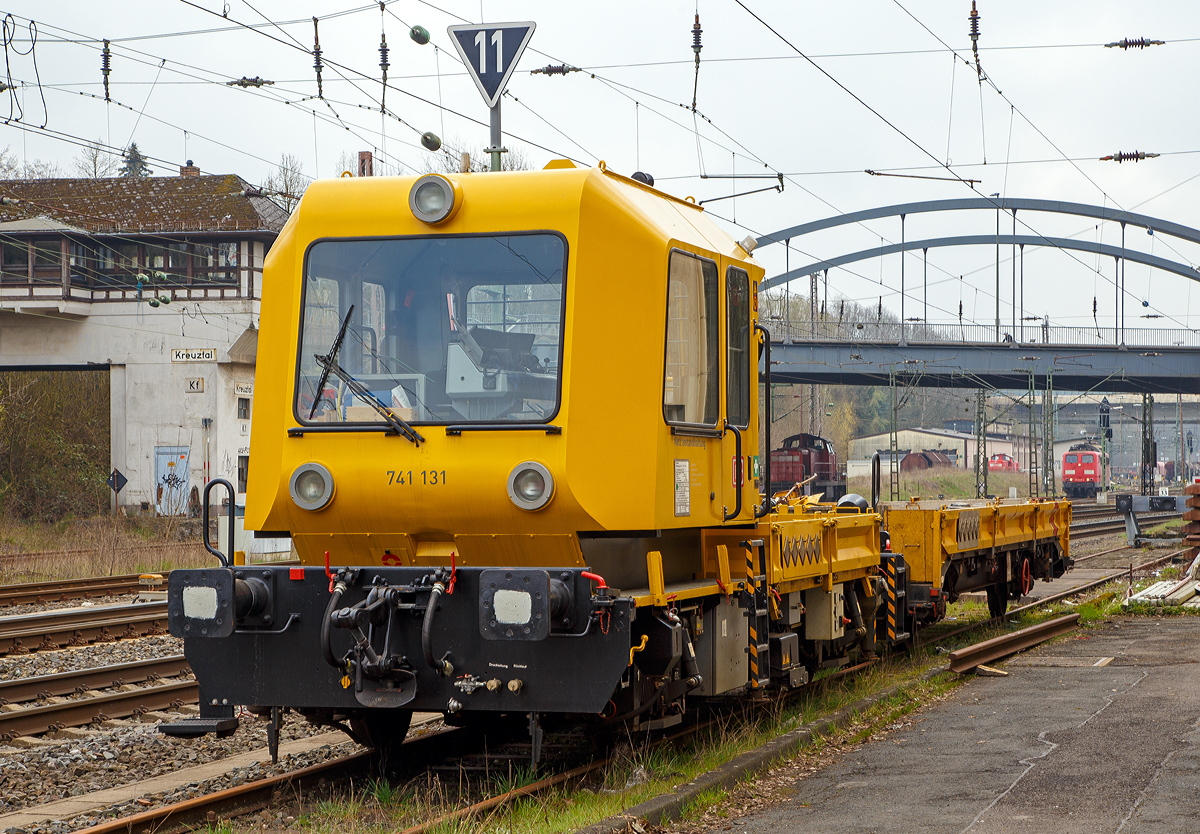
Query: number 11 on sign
{"points": [[498, 42]]}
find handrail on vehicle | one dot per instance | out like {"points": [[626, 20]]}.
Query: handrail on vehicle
{"points": [[225, 562], [740, 466]]}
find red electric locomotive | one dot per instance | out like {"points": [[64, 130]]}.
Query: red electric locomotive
{"points": [[1083, 471], [801, 457]]}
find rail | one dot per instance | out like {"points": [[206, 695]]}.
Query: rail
{"points": [[58, 629], [964, 660]]}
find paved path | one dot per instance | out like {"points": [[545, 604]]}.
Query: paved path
{"points": [[1094, 733]]}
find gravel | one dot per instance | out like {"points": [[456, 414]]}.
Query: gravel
{"points": [[128, 752], [120, 752], [87, 657]]}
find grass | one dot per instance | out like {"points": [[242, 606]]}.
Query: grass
{"points": [[949, 482], [636, 771], [97, 546]]}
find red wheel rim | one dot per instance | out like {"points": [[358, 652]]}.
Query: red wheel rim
{"points": [[1026, 578]]}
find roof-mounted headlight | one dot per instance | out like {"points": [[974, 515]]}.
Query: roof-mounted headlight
{"points": [[434, 199], [530, 485], [311, 486]]}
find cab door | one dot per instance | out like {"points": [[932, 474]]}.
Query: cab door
{"points": [[739, 458]]}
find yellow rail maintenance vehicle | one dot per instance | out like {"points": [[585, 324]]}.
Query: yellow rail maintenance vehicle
{"points": [[508, 421]]}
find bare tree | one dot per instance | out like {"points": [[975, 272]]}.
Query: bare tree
{"points": [[12, 168], [95, 163], [287, 181], [449, 159]]}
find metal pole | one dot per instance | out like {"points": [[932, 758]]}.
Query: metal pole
{"points": [[1022, 292], [1014, 277], [997, 269], [1121, 287], [495, 150], [925, 287], [902, 279]]}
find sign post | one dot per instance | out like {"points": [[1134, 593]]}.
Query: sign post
{"points": [[490, 52]]}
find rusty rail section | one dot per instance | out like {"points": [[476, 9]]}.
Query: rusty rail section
{"points": [[102, 586], [191, 814], [964, 660], [80, 626], [21, 690], [80, 713]]}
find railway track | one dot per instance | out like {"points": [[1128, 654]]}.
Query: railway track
{"points": [[32, 593], [257, 795], [1089, 529], [38, 712], [80, 626]]}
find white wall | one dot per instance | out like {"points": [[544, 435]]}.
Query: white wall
{"points": [[150, 402]]}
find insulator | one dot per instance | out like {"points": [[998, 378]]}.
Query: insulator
{"points": [[974, 18], [554, 69], [430, 141], [245, 82], [960, 309], [1134, 43], [383, 54], [1128, 156], [106, 67], [318, 65], [696, 45], [419, 35]]}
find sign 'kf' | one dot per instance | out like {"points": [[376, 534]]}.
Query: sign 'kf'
{"points": [[491, 52]]}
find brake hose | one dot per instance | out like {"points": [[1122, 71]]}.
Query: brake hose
{"points": [[334, 598], [443, 667]]}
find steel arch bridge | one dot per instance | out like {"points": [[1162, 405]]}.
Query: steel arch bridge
{"points": [[1133, 361]]}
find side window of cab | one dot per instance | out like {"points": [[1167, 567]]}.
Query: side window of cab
{"points": [[691, 372]]}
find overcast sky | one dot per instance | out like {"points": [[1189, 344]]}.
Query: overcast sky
{"points": [[761, 108]]}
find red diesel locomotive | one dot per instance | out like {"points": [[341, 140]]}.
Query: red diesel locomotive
{"points": [[801, 457]]}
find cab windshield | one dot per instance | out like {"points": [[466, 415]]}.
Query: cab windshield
{"points": [[439, 330]]}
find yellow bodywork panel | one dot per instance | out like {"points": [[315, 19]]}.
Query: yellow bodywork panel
{"points": [[928, 533], [616, 463]]}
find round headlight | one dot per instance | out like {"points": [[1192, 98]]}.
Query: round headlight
{"points": [[311, 486], [433, 198], [530, 485], [430, 198]]}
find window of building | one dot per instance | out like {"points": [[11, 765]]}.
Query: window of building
{"points": [[170, 258], [216, 262], [690, 387], [737, 329], [243, 471], [47, 253], [243, 408], [16, 259]]}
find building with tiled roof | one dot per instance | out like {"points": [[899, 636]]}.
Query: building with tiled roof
{"points": [[155, 281]]}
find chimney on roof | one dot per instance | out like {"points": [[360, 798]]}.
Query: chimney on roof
{"points": [[366, 164], [189, 170]]}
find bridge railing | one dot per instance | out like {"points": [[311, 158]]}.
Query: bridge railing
{"points": [[794, 331]]}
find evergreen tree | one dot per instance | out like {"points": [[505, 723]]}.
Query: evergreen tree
{"points": [[134, 164]]}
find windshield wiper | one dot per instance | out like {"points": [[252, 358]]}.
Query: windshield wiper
{"points": [[327, 362], [399, 425]]}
